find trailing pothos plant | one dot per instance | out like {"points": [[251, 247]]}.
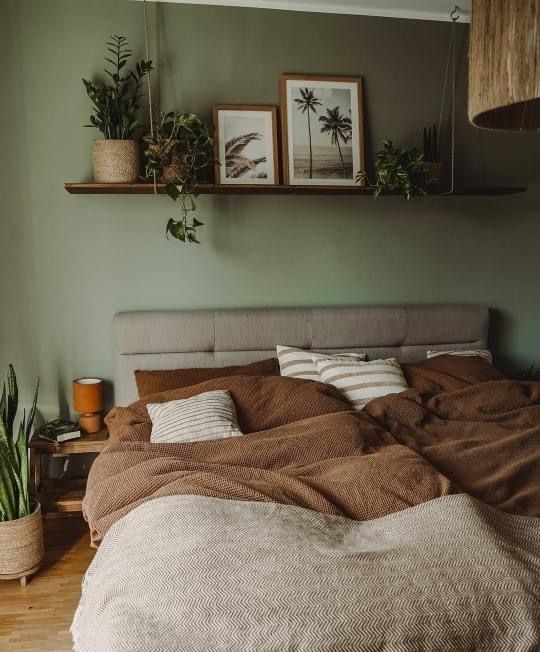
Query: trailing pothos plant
{"points": [[116, 105], [14, 472], [398, 170], [179, 151]]}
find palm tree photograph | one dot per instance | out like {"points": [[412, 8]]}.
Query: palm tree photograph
{"points": [[322, 129], [307, 104], [246, 144], [339, 128]]}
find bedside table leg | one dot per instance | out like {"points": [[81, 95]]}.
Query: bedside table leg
{"points": [[35, 470]]}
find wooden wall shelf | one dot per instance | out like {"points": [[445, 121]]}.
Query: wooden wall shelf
{"points": [[210, 189]]}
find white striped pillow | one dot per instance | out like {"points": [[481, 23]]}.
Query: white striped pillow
{"points": [[299, 363], [210, 415], [361, 382], [479, 353]]}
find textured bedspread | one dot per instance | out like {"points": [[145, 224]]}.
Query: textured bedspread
{"points": [[196, 573], [306, 448]]}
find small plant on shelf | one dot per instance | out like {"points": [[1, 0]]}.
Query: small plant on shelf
{"points": [[398, 171], [115, 114], [116, 105], [178, 154]]}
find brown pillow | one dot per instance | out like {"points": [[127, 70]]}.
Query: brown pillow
{"points": [[150, 382], [262, 402], [449, 373]]}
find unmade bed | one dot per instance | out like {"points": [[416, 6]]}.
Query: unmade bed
{"points": [[412, 524]]}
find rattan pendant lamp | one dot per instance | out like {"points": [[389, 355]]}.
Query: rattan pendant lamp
{"points": [[504, 65]]}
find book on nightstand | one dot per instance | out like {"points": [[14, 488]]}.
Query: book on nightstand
{"points": [[58, 431]]}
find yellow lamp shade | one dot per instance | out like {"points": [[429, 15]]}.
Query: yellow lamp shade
{"points": [[88, 395]]}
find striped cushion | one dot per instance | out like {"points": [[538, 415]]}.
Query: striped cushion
{"points": [[210, 415], [361, 382], [479, 353], [299, 363]]}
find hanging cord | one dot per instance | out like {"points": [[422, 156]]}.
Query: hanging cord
{"points": [[149, 82], [445, 83], [454, 15]]}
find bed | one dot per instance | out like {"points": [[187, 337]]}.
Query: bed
{"points": [[411, 525]]}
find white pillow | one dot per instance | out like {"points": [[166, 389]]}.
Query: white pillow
{"points": [[210, 415], [361, 382], [479, 353], [298, 363]]}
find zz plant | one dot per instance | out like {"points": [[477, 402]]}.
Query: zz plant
{"points": [[14, 468], [181, 143], [116, 105], [398, 170]]}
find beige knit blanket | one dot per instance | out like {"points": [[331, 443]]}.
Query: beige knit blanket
{"points": [[193, 573]]}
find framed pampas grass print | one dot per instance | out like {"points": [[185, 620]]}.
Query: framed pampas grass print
{"points": [[323, 130], [246, 148]]}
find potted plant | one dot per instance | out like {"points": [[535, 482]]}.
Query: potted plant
{"points": [[398, 171], [177, 154], [532, 373], [21, 533], [432, 160], [116, 156]]}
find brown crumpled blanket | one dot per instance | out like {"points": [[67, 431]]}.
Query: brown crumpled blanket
{"points": [[306, 447]]}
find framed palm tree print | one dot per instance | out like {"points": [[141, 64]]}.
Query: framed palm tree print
{"points": [[246, 150], [323, 129]]}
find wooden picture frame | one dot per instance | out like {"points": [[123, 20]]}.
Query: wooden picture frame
{"points": [[254, 162], [333, 154]]}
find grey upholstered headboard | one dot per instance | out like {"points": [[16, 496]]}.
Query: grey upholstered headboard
{"points": [[214, 338]]}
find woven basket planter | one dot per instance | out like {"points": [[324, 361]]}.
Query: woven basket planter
{"points": [[116, 161], [21, 546], [176, 169]]}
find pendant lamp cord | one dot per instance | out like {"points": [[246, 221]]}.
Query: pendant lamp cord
{"points": [[149, 82], [451, 58], [148, 77]]}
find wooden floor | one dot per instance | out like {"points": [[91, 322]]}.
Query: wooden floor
{"points": [[37, 618]]}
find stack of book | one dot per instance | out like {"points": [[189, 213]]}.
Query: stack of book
{"points": [[58, 431]]}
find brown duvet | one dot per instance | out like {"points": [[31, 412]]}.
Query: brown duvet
{"points": [[304, 446]]}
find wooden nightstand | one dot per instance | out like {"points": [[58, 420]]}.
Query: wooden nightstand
{"points": [[64, 495]]}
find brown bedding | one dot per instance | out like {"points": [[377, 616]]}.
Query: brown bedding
{"points": [[450, 372], [150, 382], [307, 448]]}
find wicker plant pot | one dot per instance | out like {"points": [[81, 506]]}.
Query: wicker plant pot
{"points": [[116, 161], [21, 546], [176, 169]]}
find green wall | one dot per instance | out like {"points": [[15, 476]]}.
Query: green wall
{"points": [[70, 262]]}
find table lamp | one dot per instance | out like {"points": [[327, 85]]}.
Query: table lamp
{"points": [[88, 401]]}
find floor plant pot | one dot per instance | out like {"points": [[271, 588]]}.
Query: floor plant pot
{"points": [[21, 546], [116, 161]]}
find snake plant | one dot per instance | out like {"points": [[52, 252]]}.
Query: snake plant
{"points": [[431, 145], [14, 472]]}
